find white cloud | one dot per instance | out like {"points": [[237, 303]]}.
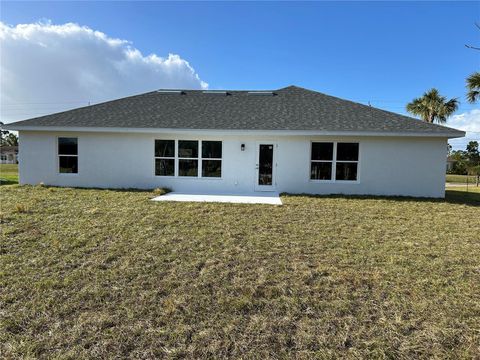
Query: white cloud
{"points": [[47, 68], [469, 122]]}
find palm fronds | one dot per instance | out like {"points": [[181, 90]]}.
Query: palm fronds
{"points": [[432, 107], [473, 86]]}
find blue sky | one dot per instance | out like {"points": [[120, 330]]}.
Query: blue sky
{"points": [[385, 53]]}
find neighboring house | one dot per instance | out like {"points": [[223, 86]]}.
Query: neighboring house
{"points": [[450, 163], [287, 140], [8, 154]]}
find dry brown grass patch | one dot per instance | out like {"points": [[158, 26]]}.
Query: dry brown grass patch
{"points": [[111, 274]]}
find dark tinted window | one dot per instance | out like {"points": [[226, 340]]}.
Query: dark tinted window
{"points": [[188, 149], [212, 149], [67, 146], [188, 167], [68, 164], [347, 151], [322, 151], [164, 167], [265, 164], [346, 171], [165, 148], [212, 168], [321, 171]]}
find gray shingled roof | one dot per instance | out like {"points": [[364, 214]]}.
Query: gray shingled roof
{"points": [[290, 108]]}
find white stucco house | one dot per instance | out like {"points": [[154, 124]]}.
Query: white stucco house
{"points": [[450, 163], [240, 142], [8, 154]]}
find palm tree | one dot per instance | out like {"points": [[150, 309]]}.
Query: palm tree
{"points": [[473, 86], [433, 107]]}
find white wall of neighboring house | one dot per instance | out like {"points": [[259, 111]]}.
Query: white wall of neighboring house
{"points": [[8, 157], [450, 164], [408, 166]]}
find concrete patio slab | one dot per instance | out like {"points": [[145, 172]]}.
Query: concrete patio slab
{"points": [[270, 198]]}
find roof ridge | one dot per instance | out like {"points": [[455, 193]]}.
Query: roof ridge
{"points": [[202, 90], [295, 87], [236, 90]]}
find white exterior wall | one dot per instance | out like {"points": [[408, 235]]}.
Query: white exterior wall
{"points": [[408, 166], [10, 158]]}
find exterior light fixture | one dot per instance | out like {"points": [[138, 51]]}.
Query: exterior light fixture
{"points": [[242, 147]]}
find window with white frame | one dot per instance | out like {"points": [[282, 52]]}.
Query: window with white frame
{"points": [[211, 159], [346, 167], [68, 155], [165, 157], [188, 158], [334, 161], [322, 161]]}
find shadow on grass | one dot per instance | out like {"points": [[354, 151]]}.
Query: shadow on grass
{"points": [[121, 190], [8, 182], [462, 197], [451, 196]]}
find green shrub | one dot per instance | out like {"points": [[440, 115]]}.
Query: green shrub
{"points": [[161, 191]]}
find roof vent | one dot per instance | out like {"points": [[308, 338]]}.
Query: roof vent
{"points": [[172, 92], [261, 93], [216, 92]]}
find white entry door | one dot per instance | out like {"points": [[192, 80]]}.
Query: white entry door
{"points": [[265, 167]]}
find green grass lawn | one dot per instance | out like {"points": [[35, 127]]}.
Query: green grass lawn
{"points": [[8, 174], [451, 178], [110, 274]]}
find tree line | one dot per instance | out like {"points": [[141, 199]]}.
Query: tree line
{"points": [[7, 138], [467, 162]]}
